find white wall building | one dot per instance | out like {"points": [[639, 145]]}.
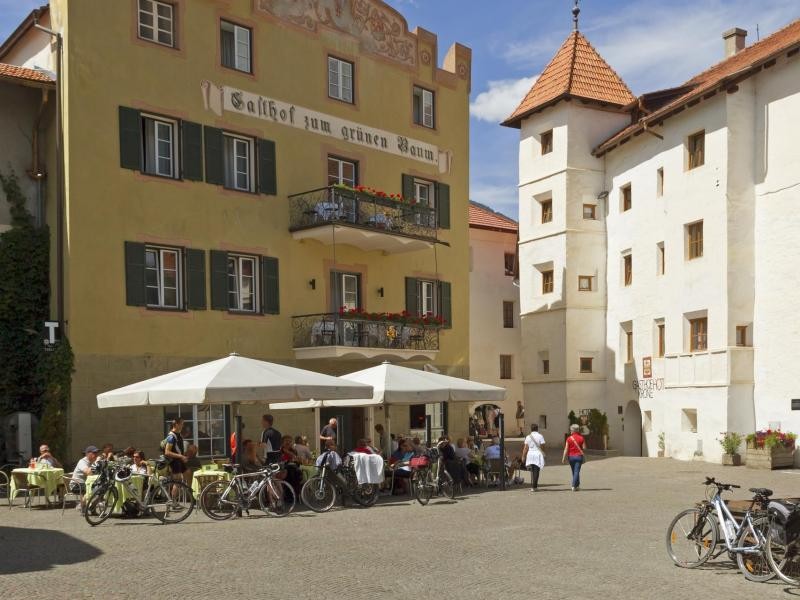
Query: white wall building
{"points": [[495, 339], [657, 246]]}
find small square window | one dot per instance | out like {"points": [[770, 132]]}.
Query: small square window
{"points": [[660, 182], [340, 79], [508, 314], [696, 150], [689, 420], [547, 211], [590, 212], [542, 421], [547, 142], [694, 240], [508, 260], [505, 366], [627, 262], [698, 334], [342, 172], [157, 22], [546, 366], [626, 197], [547, 282], [423, 107], [586, 364], [741, 335], [584, 283], [235, 42]]}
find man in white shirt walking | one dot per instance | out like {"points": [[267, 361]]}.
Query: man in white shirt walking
{"points": [[532, 454]]}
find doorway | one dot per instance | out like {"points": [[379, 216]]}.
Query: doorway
{"points": [[351, 425], [632, 436]]}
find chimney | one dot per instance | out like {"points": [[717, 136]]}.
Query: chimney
{"points": [[734, 41]]}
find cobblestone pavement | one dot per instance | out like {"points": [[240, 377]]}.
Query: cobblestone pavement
{"points": [[605, 541]]}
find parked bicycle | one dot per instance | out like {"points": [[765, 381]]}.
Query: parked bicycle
{"points": [[430, 477], [221, 500], [693, 535], [166, 499], [783, 541], [320, 492]]}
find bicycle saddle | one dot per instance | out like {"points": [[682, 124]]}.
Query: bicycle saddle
{"points": [[762, 491]]}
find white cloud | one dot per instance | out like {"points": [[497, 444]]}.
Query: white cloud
{"points": [[500, 100], [502, 198]]}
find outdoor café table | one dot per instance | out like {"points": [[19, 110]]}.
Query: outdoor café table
{"points": [[122, 491], [46, 478], [203, 477]]}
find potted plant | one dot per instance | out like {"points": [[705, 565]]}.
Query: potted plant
{"points": [[661, 445], [770, 449], [730, 442]]}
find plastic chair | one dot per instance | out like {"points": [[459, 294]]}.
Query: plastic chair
{"points": [[65, 485], [22, 486], [5, 487]]}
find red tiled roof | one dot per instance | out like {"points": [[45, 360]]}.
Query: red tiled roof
{"points": [[24, 73], [740, 65], [576, 71], [482, 217]]}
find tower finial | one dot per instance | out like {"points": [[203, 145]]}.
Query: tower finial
{"points": [[575, 12]]}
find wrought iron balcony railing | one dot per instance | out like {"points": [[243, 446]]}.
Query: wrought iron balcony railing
{"points": [[335, 205], [331, 329]]}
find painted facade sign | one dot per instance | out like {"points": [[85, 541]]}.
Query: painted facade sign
{"points": [[647, 367], [219, 98], [646, 387]]}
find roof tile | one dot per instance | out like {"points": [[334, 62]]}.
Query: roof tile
{"points": [[24, 73], [485, 218]]}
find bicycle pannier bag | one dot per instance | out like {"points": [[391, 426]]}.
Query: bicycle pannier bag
{"points": [[419, 462]]}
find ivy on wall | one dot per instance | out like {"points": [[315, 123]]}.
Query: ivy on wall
{"points": [[31, 378]]}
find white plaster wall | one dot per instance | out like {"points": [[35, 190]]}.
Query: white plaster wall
{"points": [[489, 287], [33, 50]]}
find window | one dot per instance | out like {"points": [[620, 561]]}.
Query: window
{"points": [[238, 158], [629, 346], [586, 364], [204, 425], [626, 197], [508, 260], [427, 298], [505, 366], [547, 282], [694, 240], [340, 79], [342, 171], [235, 45], [423, 107], [689, 420], [660, 259], [741, 335], [346, 290], [547, 142], [157, 22], [242, 283], [508, 314], [660, 350], [647, 421], [584, 283], [545, 366], [698, 334], [424, 192], [590, 212], [660, 182], [627, 262], [163, 277], [547, 211], [159, 148], [542, 421], [696, 147]]}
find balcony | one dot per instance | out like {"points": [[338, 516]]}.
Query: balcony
{"points": [[711, 368], [330, 335], [336, 215]]}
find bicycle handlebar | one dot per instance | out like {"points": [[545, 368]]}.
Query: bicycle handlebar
{"points": [[721, 486]]}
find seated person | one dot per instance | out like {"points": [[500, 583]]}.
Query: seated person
{"points": [[418, 447], [249, 462], [82, 470], [362, 446], [467, 456], [139, 464], [302, 450], [329, 457], [492, 452], [294, 476], [401, 466], [398, 452], [47, 459], [394, 443], [107, 453], [453, 464]]}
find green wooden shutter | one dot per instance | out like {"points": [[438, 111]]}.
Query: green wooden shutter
{"points": [[408, 187], [219, 280], [130, 138], [134, 274], [412, 296], [267, 168], [195, 279], [215, 156], [192, 151], [445, 304], [443, 205], [270, 294]]}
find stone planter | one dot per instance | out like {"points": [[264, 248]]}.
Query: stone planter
{"points": [[769, 458], [732, 460]]}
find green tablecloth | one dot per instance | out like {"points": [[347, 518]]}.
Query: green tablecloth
{"points": [[122, 491], [203, 478], [46, 478], [308, 471]]}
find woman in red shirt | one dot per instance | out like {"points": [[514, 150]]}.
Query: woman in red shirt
{"points": [[573, 448]]}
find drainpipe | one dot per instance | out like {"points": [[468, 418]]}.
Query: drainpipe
{"points": [[60, 177], [36, 172]]}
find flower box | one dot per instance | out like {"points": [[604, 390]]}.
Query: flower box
{"points": [[769, 458]]}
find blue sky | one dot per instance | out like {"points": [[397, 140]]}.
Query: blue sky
{"points": [[652, 44]]}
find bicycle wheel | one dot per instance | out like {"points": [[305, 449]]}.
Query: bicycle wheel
{"points": [[691, 538], [422, 484], [219, 500], [318, 494], [172, 501], [366, 494], [754, 566], [100, 505], [783, 558], [276, 498], [447, 486]]}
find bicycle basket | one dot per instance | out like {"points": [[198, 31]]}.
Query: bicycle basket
{"points": [[123, 474], [420, 462]]}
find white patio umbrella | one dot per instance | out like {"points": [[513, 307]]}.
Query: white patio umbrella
{"points": [[233, 380]]}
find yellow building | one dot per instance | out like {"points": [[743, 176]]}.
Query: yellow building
{"points": [[213, 152]]}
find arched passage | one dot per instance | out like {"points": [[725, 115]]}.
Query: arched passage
{"points": [[632, 439]]}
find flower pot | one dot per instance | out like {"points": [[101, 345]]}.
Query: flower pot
{"points": [[769, 458], [731, 460]]}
